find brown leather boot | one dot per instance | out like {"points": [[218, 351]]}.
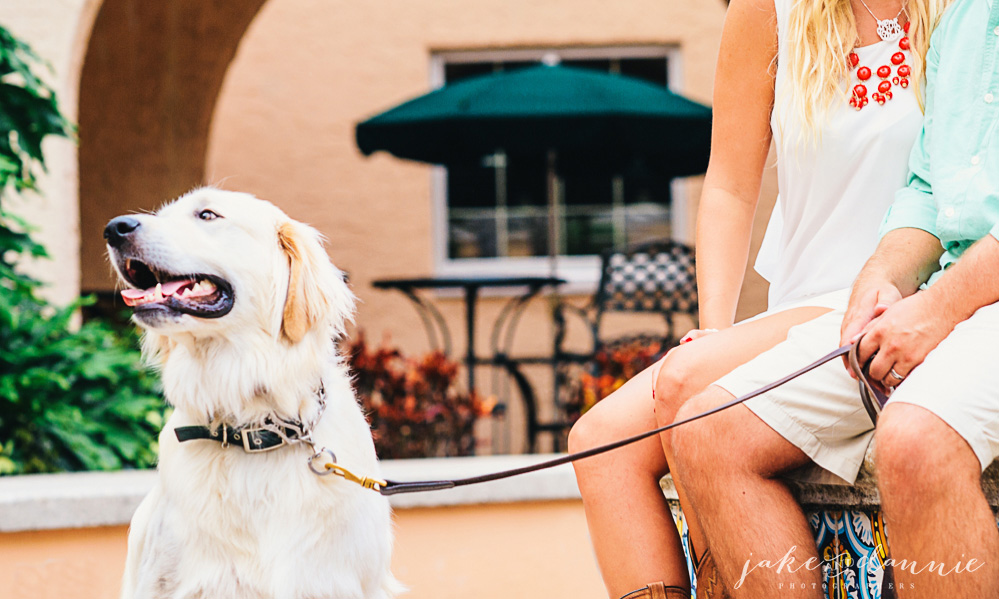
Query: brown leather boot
{"points": [[709, 585], [658, 590]]}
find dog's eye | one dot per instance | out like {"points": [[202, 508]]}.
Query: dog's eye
{"points": [[208, 215]]}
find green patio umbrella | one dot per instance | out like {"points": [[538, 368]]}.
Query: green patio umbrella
{"points": [[576, 118]]}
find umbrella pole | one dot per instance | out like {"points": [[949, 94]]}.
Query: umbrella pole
{"points": [[553, 237]]}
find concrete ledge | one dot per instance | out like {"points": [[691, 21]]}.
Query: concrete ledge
{"points": [[863, 495], [90, 499]]}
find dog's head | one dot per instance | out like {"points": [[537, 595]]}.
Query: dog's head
{"points": [[212, 263]]}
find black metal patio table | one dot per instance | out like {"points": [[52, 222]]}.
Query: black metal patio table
{"points": [[470, 287]]}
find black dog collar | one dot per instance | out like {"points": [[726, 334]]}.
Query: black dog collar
{"points": [[274, 433], [252, 439]]}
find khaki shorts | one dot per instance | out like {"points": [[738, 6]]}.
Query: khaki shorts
{"points": [[832, 300], [822, 414]]}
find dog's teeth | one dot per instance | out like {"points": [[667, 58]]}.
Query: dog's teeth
{"points": [[186, 292], [208, 286]]}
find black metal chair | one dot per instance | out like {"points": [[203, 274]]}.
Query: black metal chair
{"points": [[657, 277]]}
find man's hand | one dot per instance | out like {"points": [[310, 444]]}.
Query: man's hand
{"points": [[902, 336], [865, 306], [904, 260]]}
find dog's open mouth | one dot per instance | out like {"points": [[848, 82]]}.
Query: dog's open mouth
{"points": [[201, 295]]}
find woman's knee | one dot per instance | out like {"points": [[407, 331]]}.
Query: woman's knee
{"points": [[585, 433], [675, 383]]}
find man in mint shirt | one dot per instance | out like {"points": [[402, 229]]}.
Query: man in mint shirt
{"points": [[927, 303]]}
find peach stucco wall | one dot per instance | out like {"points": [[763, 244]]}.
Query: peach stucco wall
{"points": [[494, 551]]}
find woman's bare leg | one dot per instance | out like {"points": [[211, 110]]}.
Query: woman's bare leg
{"points": [[630, 524]]}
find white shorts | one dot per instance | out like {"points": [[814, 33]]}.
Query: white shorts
{"points": [[822, 414]]}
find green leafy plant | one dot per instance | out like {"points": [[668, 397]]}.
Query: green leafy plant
{"points": [[71, 398], [415, 407]]}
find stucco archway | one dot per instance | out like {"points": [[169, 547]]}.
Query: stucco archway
{"points": [[151, 76]]}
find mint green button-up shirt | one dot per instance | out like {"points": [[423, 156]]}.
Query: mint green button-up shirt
{"points": [[953, 184]]}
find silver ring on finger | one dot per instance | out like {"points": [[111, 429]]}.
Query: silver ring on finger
{"points": [[895, 375]]}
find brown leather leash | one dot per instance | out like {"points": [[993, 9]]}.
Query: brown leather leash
{"points": [[874, 399]]}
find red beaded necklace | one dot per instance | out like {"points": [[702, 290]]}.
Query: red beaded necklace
{"points": [[859, 97]]}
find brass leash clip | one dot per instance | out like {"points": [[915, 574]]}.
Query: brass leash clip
{"points": [[332, 467], [364, 481]]}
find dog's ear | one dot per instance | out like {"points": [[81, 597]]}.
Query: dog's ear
{"points": [[317, 293]]}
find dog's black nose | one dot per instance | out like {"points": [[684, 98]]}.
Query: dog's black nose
{"points": [[119, 229]]}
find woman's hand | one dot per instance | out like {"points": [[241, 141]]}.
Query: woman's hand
{"points": [[696, 334]]}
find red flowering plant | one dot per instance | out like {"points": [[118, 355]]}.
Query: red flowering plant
{"points": [[414, 405], [611, 366]]}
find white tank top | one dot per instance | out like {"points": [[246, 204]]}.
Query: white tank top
{"points": [[834, 192]]}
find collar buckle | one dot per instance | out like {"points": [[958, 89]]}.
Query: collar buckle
{"points": [[254, 441]]}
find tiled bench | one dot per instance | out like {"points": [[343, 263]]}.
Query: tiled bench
{"points": [[848, 528]]}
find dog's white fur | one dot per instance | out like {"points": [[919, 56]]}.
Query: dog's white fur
{"points": [[221, 523]]}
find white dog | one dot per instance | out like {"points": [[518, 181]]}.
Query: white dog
{"points": [[241, 308]]}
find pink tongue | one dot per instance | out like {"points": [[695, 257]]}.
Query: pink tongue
{"points": [[172, 287], [168, 290]]}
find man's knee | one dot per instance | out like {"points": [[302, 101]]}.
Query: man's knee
{"points": [[917, 452], [702, 441]]}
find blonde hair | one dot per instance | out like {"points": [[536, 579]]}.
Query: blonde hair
{"points": [[821, 34]]}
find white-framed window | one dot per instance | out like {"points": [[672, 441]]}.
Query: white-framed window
{"points": [[492, 218]]}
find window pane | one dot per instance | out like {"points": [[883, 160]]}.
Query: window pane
{"points": [[641, 185], [589, 231], [647, 222], [526, 182], [594, 64], [585, 189], [453, 71], [647, 205], [472, 234], [652, 70], [513, 65], [471, 187], [527, 232]]}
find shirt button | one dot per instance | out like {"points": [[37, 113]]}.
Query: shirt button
{"points": [[975, 160], [949, 212], [996, 31], [988, 98]]}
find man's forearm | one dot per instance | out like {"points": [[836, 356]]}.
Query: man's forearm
{"points": [[905, 258], [969, 284]]}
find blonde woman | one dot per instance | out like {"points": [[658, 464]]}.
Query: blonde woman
{"points": [[835, 84]]}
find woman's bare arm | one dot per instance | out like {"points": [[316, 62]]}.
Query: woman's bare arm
{"points": [[743, 101]]}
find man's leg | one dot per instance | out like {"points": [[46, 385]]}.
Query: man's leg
{"points": [[728, 464], [936, 435], [935, 513]]}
